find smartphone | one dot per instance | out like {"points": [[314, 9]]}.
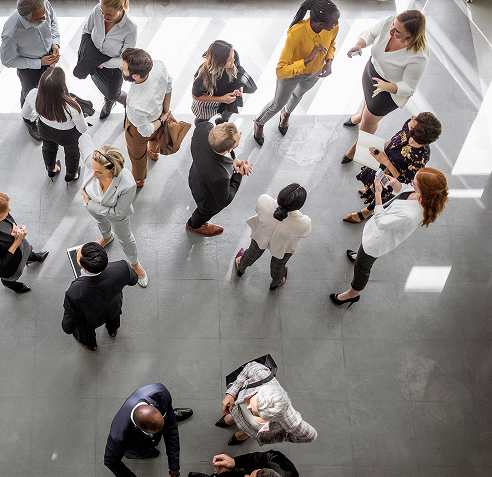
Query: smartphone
{"points": [[354, 53], [380, 175]]}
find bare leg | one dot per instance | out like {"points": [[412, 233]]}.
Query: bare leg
{"points": [[284, 118], [138, 268], [229, 420], [365, 212], [241, 435], [258, 130], [346, 295], [356, 119], [369, 123]]}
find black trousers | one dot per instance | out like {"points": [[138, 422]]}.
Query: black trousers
{"points": [[203, 214], [362, 269], [29, 79], [52, 138], [86, 334], [108, 82]]}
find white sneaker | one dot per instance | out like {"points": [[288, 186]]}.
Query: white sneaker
{"points": [[143, 282]]}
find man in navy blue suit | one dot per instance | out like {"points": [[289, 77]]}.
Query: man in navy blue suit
{"points": [[145, 417]]}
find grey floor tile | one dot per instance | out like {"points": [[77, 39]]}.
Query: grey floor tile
{"points": [[387, 471], [475, 310], [447, 434], [190, 368], [16, 426], [376, 370], [326, 471], [197, 300], [437, 371], [453, 471], [333, 445], [17, 359], [15, 469], [382, 433], [314, 369], [55, 469], [71, 435], [477, 363], [49, 315]]}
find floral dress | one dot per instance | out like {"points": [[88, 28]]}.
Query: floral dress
{"points": [[407, 160]]}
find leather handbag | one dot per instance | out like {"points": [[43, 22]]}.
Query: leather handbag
{"points": [[266, 360], [244, 79]]}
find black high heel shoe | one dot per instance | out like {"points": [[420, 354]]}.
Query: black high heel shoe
{"points": [[334, 299], [259, 140], [72, 177], [350, 255], [52, 174]]}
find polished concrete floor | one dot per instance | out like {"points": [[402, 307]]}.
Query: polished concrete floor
{"points": [[398, 385]]}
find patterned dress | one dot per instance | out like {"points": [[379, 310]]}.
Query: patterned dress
{"points": [[407, 160]]}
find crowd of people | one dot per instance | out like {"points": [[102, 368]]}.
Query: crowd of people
{"points": [[412, 195]]}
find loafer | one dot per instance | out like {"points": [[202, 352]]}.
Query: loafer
{"points": [[233, 441], [108, 242], [113, 335], [106, 109], [349, 122], [37, 257], [221, 422], [32, 129], [182, 413], [281, 283], [17, 287], [206, 229], [346, 160], [144, 281], [197, 474], [349, 255]]}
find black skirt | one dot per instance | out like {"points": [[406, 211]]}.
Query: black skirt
{"points": [[382, 103]]}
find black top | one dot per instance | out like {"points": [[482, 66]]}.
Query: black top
{"points": [[97, 299], [210, 179], [126, 440], [9, 262], [275, 460], [223, 86]]}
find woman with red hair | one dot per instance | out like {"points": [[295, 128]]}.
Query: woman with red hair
{"points": [[418, 203]]}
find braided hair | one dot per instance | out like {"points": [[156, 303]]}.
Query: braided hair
{"points": [[320, 11], [289, 198]]}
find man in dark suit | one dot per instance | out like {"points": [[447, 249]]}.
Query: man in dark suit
{"points": [[258, 464], [214, 178], [96, 297], [15, 251], [145, 417]]}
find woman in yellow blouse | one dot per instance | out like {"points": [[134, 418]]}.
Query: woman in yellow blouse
{"points": [[306, 57]]}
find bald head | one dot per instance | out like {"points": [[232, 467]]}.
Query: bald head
{"points": [[148, 419]]}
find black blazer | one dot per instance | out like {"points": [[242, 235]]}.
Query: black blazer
{"points": [[212, 186], [265, 460], [95, 300], [126, 440], [9, 263]]}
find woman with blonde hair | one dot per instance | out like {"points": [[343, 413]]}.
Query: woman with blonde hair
{"points": [[214, 90], [418, 203], [61, 122], [400, 55], [109, 191], [106, 33]]}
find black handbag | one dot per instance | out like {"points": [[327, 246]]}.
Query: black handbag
{"points": [[244, 79], [266, 360]]}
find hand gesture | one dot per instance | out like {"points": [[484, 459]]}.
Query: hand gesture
{"points": [[381, 157], [353, 49], [378, 187], [227, 404], [239, 92], [228, 98], [49, 60], [167, 117], [55, 50], [317, 50], [326, 71], [85, 196], [18, 233], [223, 460], [391, 180], [380, 86]]}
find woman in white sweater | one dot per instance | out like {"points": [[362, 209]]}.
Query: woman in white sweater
{"points": [[400, 55], [418, 203], [61, 122], [278, 226]]}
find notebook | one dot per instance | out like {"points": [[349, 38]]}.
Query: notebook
{"points": [[362, 154]]}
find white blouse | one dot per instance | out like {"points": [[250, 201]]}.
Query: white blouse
{"points": [[402, 67], [29, 112], [389, 227], [280, 237], [122, 35]]}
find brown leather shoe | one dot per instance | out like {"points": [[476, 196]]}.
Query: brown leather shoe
{"points": [[153, 155], [206, 229]]}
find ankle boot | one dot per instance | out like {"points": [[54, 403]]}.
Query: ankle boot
{"points": [[106, 109]]}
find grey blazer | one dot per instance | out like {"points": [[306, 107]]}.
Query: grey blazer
{"points": [[118, 199]]}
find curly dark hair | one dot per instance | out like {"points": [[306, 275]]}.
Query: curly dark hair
{"points": [[427, 129]]}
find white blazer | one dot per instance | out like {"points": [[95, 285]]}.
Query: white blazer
{"points": [[118, 199], [389, 227], [280, 237]]}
